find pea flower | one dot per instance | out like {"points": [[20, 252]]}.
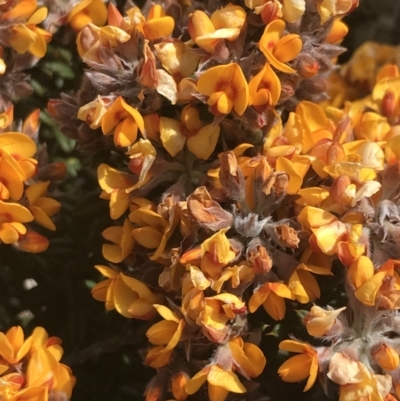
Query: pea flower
{"points": [[271, 297], [200, 139], [220, 382], [13, 346], [264, 89], [130, 297], [225, 23], [12, 215], [158, 24], [300, 366], [124, 120], [280, 49], [226, 88], [319, 322], [87, 12]]}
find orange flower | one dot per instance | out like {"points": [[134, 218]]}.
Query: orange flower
{"points": [[153, 231], [300, 366], [264, 89], [280, 49], [220, 382], [168, 332], [130, 297], [28, 37], [320, 321], [386, 357], [218, 310], [13, 346], [87, 12], [12, 215], [158, 24], [114, 184], [124, 120], [216, 253], [226, 87], [271, 297], [225, 23], [200, 139], [121, 242], [42, 207]]}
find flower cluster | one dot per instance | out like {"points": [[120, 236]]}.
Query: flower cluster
{"points": [[357, 223], [22, 43], [24, 185], [30, 368], [232, 187]]}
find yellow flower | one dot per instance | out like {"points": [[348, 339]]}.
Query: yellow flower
{"points": [[320, 321], [121, 242], [168, 332], [45, 370], [356, 381], [220, 382], [21, 149], [225, 23], [124, 120], [300, 366], [158, 25], [28, 37], [303, 284], [177, 58], [42, 207], [264, 89], [153, 231], [130, 297], [200, 139], [114, 184], [218, 310], [13, 346], [93, 112], [216, 253], [87, 12], [386, 357], [271, 297], [226, 88], [360, 271], [332, 8], [12, 215], [248, 359], [280, 49], [327, 230]]}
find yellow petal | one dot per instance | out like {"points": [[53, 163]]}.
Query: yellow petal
{"points": [[196, 382], [166, 313], [295, 368], [22, 38], [225, 379], [202, 144], [123, 297], [368, 291], [171, 135]]}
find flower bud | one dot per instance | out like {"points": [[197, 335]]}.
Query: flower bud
{"points": [[178, 386], [231, 176], [386, 357], [270, 12], [260, 259], [319, 322], [338, 189]]}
